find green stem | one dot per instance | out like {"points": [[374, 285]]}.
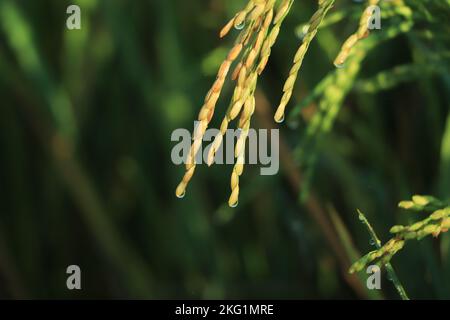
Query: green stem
{"points": [[390, 270]]}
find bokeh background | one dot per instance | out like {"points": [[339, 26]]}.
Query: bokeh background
{"points": [[86, 176]]}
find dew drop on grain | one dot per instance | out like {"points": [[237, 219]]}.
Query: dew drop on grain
{"points": [[181, 196], [240, 26], [281, 120], [339, 65]]}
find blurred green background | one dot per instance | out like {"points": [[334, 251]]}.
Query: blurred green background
{"points": [[86, 176]]}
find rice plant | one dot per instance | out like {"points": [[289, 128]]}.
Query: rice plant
{"points": [[436, 223], [260, 24], [86, 175], [259, 31]]}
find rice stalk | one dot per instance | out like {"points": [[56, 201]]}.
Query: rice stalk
{"points": [[436, 223], [392, 274], [362, 32], [315, 21], [255, 41]]}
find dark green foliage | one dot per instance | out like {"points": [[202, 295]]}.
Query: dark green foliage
{"points": [[86, 176]]}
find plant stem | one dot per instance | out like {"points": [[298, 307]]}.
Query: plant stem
{"points": [[390, 270]]}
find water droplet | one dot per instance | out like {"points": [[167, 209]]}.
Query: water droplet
{"points": [[235, 204], [372, 241], [280, 120], [240, 26], [181, 196], [389, 277], [361, 217], [339, 65], [301, 33]]}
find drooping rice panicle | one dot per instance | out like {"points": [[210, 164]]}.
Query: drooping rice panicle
{"points": [[245, 78], [436, 223], [260, 28], [270, 40], [244, 125], [243, 102], [205, 116], [362, 32], [316, 19], [256, 17]]}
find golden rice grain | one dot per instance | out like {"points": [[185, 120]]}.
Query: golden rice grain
{"points": [[255, 40], [288, 88], [362, 32]]}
